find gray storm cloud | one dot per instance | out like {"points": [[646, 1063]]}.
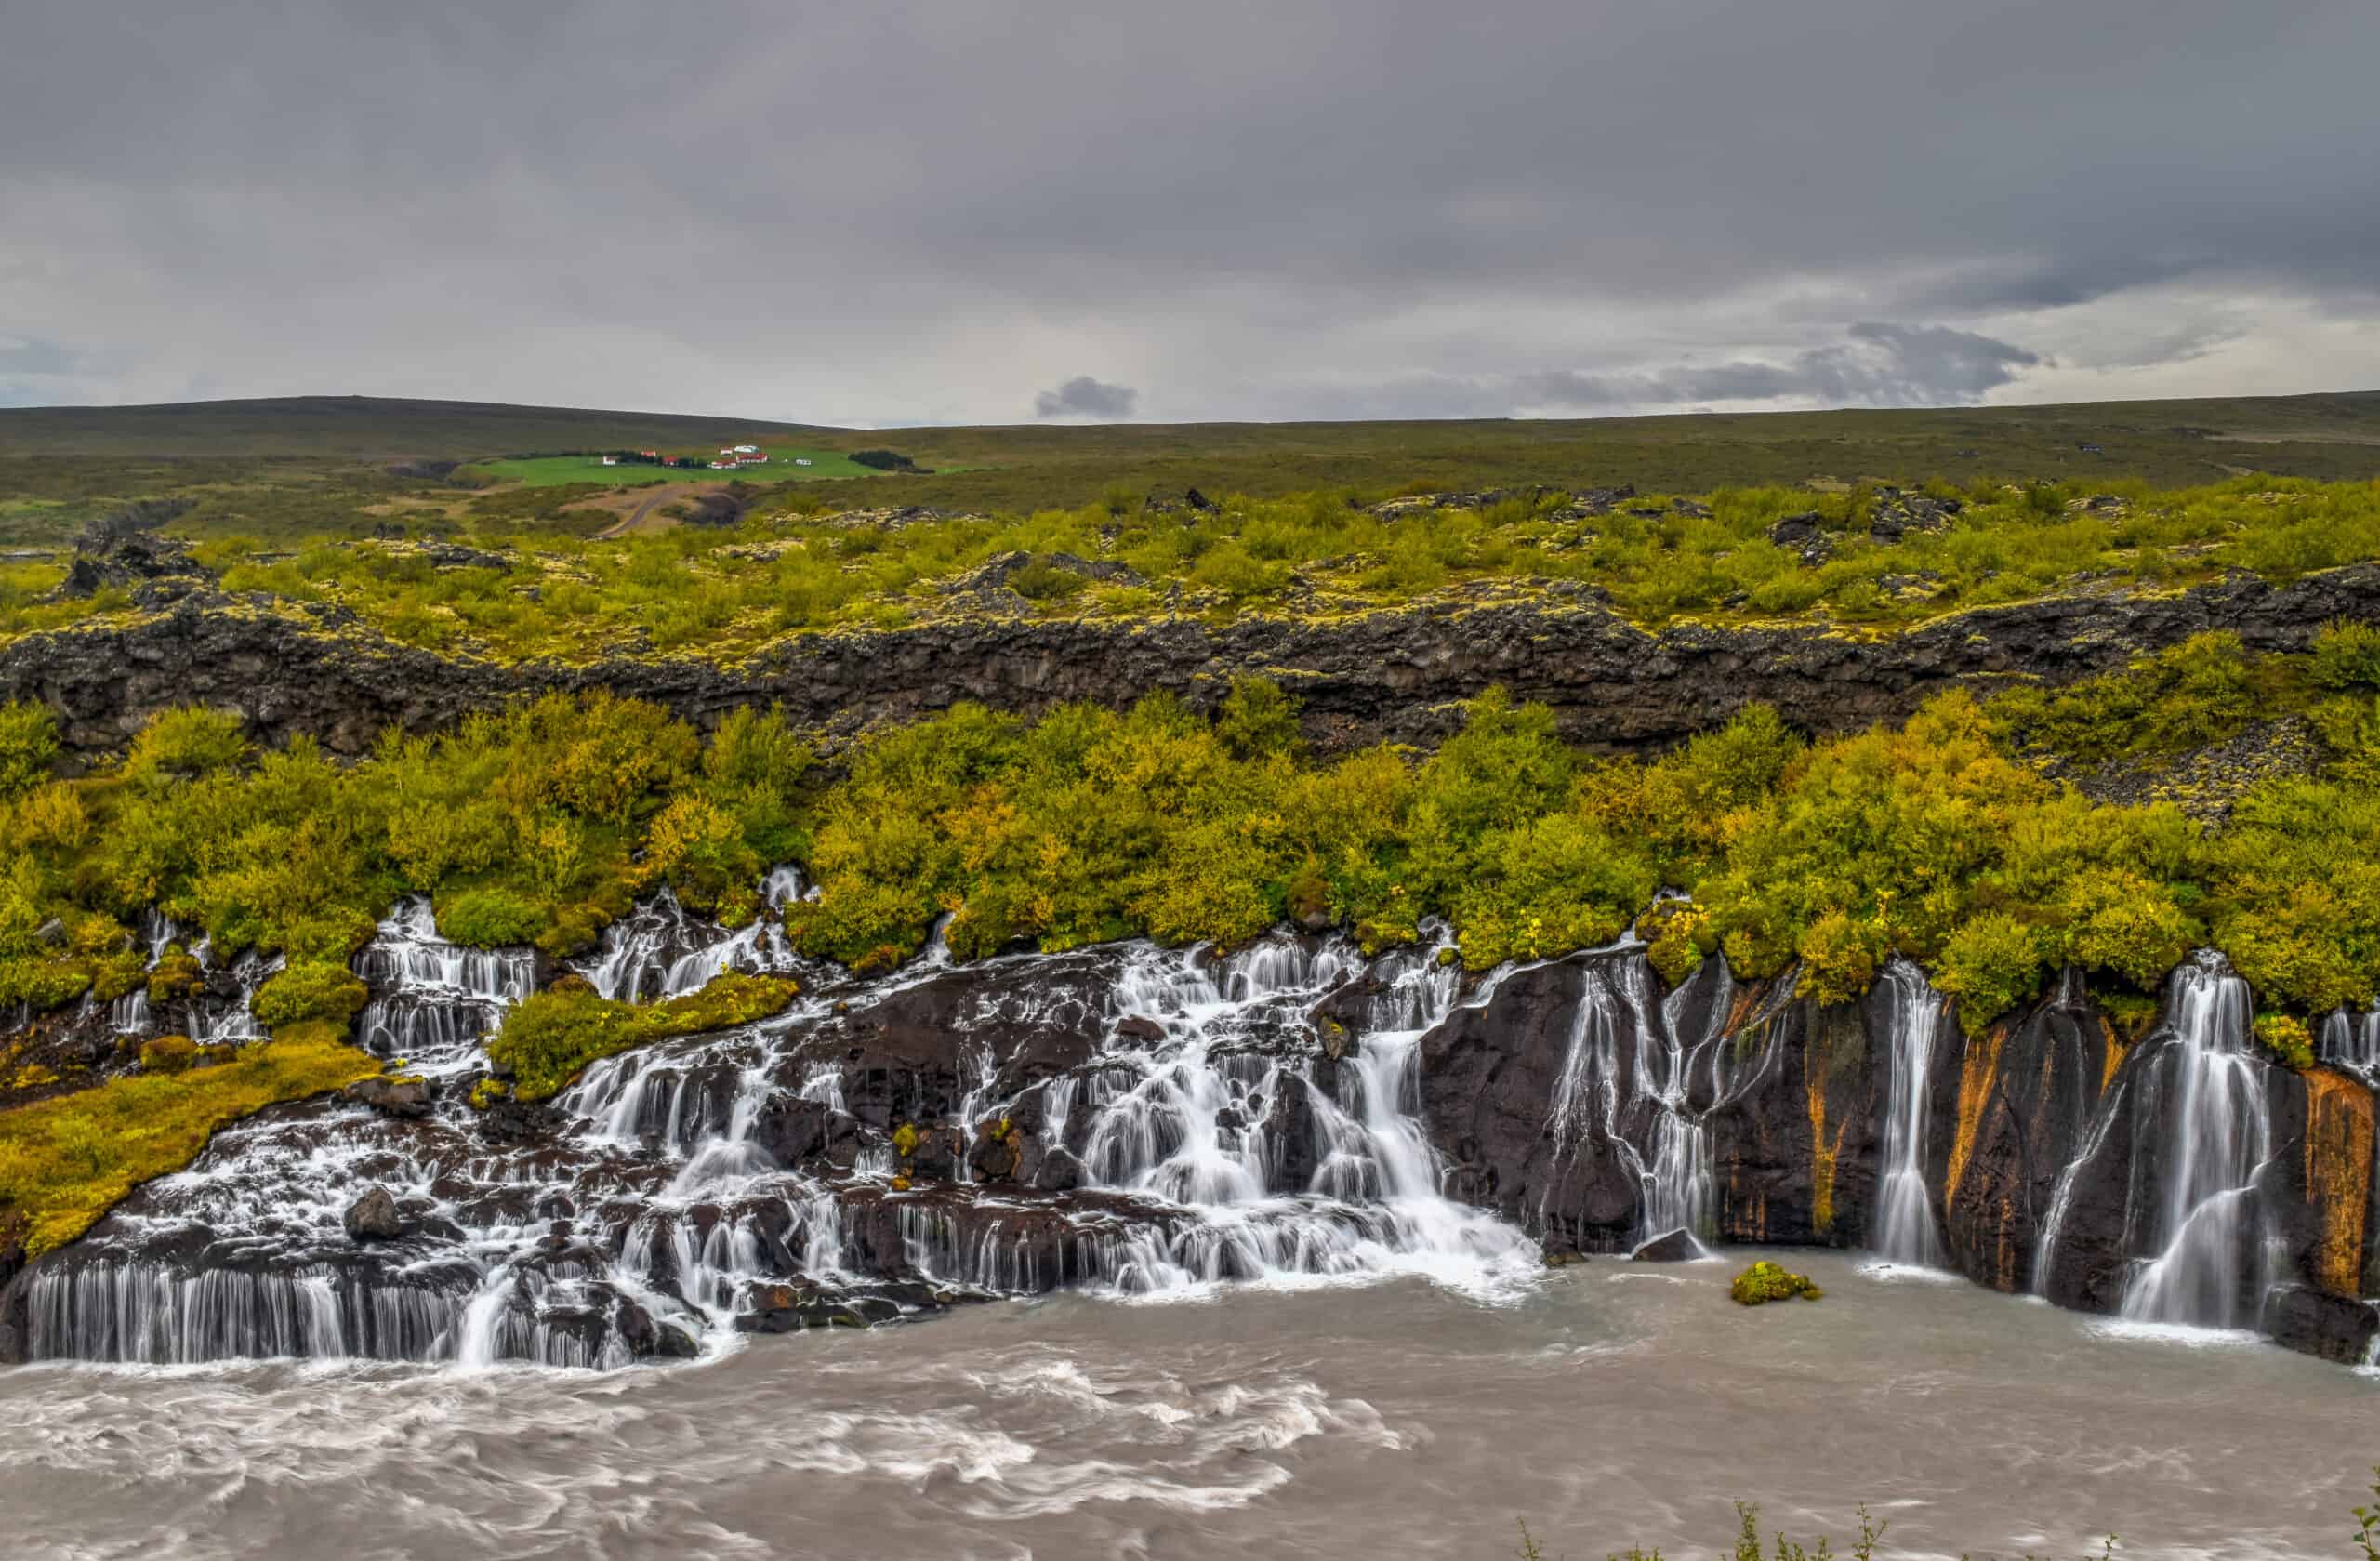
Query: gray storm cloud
{"points": [[918, 211], [1084, 397], [1882, 364]]}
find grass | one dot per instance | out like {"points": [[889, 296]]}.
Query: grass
{"points": [[549, 1038], [65, 1161], [790, 568], [545, 471], [302, 467]]}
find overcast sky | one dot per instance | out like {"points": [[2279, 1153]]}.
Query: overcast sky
{"points": [[880, 212]]}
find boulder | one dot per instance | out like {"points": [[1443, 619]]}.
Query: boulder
{"points": [[788, 1307], [408, 1096], [1060, 1171], [1800, 534], [649, 1337], [375, 1217], [1678, 1246], [994, 1158], [938, 1154], [1897, 515]]}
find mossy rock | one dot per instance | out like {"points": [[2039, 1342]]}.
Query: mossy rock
{"points": [[168, 1055], [1764, 1281], [177, 977]]}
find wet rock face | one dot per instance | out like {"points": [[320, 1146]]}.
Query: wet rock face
{"points": [[1391, 675], [375, 1217], [2028, 1091]]}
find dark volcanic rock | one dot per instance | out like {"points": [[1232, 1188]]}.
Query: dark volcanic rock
{"points": [[1800, 535], [397, 1097], [2028, 1088], [1489, 1075], [375, 1217], [1393, 675], [1897, 515], [1678, 1246]]}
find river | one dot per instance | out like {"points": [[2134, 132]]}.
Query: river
{"points": [[1608, 1404]]}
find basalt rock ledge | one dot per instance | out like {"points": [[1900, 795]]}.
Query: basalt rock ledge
{"points": [[1395, 675]]}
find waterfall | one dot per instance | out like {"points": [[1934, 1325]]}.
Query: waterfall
{"points": [[1906, 1230], [2352, 1041], [1199, 1119], [2194, 1202], [659, 951], [1214, 1136], [1637, 1098], [2062, 1194], [213, 1022], [433, 1000]]}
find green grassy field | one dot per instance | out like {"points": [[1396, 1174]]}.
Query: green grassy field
{"points": [[292, 470], [548, 471]]}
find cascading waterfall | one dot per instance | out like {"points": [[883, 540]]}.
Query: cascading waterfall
{"points": [[1200, 1120], [2194, 1200], [1215, 1136], [2352, 1041], [1650, 1100], [1906, 1230], [659, 951]]}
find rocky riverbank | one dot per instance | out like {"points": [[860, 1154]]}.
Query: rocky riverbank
{"points": [[1137, 1119]]}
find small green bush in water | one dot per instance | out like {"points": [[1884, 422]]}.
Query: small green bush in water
{"points": [[1764, 1281], [310, 989]]}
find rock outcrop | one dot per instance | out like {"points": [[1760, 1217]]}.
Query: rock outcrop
{"points": [[1396, 674]]}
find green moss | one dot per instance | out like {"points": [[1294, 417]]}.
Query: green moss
{"points": [[307, 990], [2286, 1036], [490, 918], [176, 976], [168, 1055], [67, 1161], [1764, 1281], [549, 1037]]}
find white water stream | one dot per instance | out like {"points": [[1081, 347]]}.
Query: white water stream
{"points": [[1905, 1229]]}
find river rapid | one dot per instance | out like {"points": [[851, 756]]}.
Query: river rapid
{"points": [[1607, 1403]]}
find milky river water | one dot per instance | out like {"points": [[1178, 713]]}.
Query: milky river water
{"points": [[1614, 1404]]}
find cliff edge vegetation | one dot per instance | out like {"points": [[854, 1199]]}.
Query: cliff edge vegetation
{"points": [[1994, 842], [1862, 558]]}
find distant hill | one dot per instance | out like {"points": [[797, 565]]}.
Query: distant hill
{"points": [[76, 459], [359, 427]]}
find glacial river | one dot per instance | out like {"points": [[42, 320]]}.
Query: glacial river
{"points": [[1614, 1404]]}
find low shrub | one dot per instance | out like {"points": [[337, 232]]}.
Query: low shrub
{"points": [[28, 743], [168, 1055], [1764, 1281], [2286, 1036], [550, 1037], [310, 990], [490, 918]]}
